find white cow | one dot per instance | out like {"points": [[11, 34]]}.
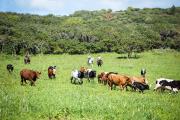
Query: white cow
{"points": [[90, 61]]}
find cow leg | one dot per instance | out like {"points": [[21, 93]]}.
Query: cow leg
{"points": [[32, 83], [49, 76], [71, 80], [22, 80], [88, 79], [25, 81], [105, 82], [99, 81], [127, 89], [121, 87], [111, 85], [81, 81], [141, 91], [54, 76]]}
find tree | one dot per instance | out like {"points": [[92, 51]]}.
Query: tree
{"points": [[172, 10]]}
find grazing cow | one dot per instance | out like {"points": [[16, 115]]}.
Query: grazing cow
{"points": [[76, 77], [99, 62], [52, 72], [117, 80], [141, 87], [10, 68], [169, 84], [27, 59], [30, 75]]}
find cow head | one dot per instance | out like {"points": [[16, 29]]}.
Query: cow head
{"points": [[143, 72], [80, 74], [157, 85], [146, 87], [38, 74], [83, 69]]}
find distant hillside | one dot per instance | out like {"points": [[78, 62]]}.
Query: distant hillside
{"points": [[132, 30]]}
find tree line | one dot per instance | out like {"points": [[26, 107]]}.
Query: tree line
{"points": [[124, 31]]}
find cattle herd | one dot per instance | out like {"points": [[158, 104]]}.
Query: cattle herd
{"points": [[112, 79]]}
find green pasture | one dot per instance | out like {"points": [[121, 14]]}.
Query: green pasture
{"points": [[58, 99]]}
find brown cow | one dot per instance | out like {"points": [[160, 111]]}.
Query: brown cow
{"points": [[30, 75], [52, 72], [102, 78], [139, 79], [83, 69], [118, 80]]}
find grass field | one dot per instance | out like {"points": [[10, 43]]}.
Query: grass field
{"points": [[59, 99]]}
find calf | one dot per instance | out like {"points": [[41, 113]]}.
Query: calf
{"points": [[10, 68], [141, 87]]}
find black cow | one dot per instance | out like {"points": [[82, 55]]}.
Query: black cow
{"points": [[99, 62], [141, 87], [10, 68]]}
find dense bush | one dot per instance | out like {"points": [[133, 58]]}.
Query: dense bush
{"points": [[132, 30]]}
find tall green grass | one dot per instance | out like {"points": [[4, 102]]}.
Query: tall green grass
{"points": [[59, 99]]}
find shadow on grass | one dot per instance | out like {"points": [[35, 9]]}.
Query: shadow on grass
{"points": [[125, 57]]}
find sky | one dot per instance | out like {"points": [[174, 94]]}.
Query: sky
{"points": [[66, 7]]}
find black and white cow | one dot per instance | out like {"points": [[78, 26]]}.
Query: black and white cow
{"points": [[169, 84], [10, 68], [90, 74], [77, 77], [139, 86]]}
